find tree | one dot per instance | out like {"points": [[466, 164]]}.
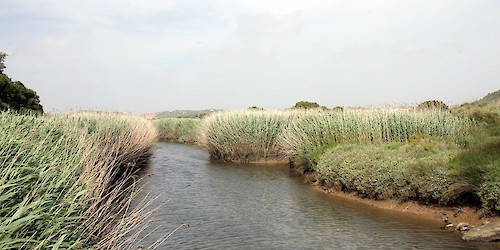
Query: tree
{"points": [[2, 59], [432, 104], [15, 96], [307, 105]]}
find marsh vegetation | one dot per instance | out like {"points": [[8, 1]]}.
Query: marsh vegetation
{"points": [[430, 153], [65, 180]]}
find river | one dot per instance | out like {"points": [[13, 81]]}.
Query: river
{"points": [[237, 206]]}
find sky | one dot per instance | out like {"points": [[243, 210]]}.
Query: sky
{"points": [[144, 56]]}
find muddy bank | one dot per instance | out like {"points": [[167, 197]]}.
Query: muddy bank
{"points": [[458, 218]]}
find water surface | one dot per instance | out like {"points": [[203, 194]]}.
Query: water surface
{"points": [[230, 206]]}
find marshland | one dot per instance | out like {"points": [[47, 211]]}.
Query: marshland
{"points": [[76, 180], [172, 124]]}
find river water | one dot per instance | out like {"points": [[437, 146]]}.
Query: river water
{"points": [[235, 206]]}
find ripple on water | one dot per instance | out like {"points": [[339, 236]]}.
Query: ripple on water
{"points": [[264, 207]]}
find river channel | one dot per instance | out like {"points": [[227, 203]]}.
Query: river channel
{"points": [[235, 206]]}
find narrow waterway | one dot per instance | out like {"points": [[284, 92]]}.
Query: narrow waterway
{"points": [[232, 206]]}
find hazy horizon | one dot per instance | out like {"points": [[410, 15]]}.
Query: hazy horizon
{"points": [[151, 56]]}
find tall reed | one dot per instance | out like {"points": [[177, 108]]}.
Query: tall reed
{"points": [[312, 129], [244, 136], [64, 179], [183, 130]]}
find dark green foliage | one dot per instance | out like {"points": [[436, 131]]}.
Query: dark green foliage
{"points": [[306, 105], [15, 96], [433, 104], [2, 59]]}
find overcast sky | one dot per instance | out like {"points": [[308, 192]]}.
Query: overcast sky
{"points": [[145, 56]]}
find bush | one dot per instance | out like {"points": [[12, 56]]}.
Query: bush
{"points": [[433, 104], [306, 105]]}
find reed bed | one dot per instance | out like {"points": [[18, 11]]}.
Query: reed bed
{"points": [[183, 130], [244, 136], [66, 181], [312, 129]]}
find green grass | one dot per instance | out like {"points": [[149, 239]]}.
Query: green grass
{"points": [[478, 166], [183, 130], [64, 179], [390, 171]]}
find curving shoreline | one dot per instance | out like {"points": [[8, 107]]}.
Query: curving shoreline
{"points": [[443, 216]]}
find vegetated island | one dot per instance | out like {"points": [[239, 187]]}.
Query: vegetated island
{"points": [[440, 162]]}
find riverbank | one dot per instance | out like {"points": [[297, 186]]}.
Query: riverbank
{"points": [[442, 215]]}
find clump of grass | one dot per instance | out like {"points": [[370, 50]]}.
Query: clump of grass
{"points": [[244, 136], [64, 179], [183, 130], [310, 130], [394, 170]]}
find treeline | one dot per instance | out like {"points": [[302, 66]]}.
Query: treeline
{"points": [[14, 95]]}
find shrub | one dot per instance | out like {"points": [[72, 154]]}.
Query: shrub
{"points": [[433, 104], [306, 105], [394, 170]]}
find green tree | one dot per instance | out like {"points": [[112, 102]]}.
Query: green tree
{"points": [[432, 104], [14, 95], [307, 105], [2, 59]]}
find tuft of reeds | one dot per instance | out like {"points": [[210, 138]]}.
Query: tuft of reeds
{"points": [[183, 130], [66, 181], [244, 136]]}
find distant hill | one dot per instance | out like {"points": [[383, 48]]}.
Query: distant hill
{"points": [[185, 113], [491, 98]]}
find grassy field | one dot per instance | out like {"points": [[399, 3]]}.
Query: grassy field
{"points": [[66, 181]]}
